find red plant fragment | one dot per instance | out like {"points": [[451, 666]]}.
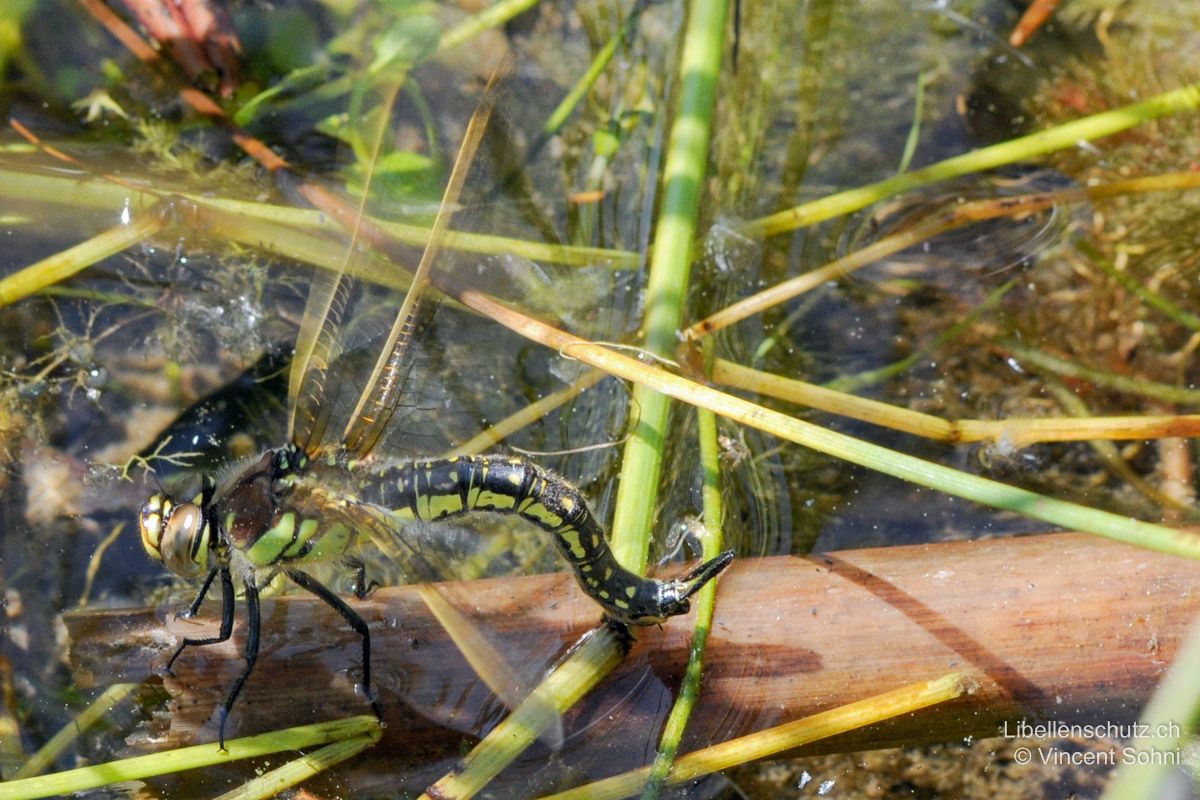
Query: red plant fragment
{"points": [[1037, 15], [199, 36]]}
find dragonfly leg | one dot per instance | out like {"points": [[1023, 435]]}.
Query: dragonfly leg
{"points": [[226, 615], [194, 608], [361, 586], [253, 625], [311, 584]]}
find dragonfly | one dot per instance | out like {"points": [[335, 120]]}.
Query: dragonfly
{"points": [[316, 498]]}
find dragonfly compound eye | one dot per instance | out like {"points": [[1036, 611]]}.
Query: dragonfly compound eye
{"points": [[175, 535], [150, 520]]}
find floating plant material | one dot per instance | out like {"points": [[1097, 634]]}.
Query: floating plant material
{"points": [[990, 252]]}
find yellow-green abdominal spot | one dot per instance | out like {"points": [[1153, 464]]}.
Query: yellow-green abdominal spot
{"points": [[541, 514], [491, 500], [570, 538], [442, 505]]}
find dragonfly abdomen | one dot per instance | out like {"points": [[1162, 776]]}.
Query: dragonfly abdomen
{"points": [[433, 490]]}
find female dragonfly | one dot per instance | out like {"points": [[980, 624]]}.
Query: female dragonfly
{"points": [[312, 500]]}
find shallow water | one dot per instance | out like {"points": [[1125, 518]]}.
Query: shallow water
{"points": [[821, 98]]}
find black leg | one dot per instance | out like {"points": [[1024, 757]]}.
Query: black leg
{"points": [[195, 606], [253, 625], [227, 601], [306, 581], [361, 586]]}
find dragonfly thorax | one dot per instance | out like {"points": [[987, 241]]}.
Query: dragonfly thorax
{"points": [[246, 517]]}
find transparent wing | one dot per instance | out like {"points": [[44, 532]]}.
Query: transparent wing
{"points": [[316, 382], [351, 329], [320, 341], [316, 349], [426, 555], [385, 386]]}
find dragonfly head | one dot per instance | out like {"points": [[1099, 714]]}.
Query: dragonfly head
{"points": [[178, 535]]}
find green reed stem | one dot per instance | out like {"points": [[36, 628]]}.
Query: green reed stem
{"points": [[493, 16], [1060, 137], [295, 233], [596, 655], [774, 741], [1074, 406], [1144, 293], [914, 130], [12, 753], [861, 380], [301, 769], [101, 707], [566, 107], [670, 268], [1139, 387], [185, 758], [64, 264], [705, 602], [100, 195], [872, 456]]}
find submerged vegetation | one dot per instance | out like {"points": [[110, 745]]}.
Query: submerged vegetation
{"points": [[897, 241]]}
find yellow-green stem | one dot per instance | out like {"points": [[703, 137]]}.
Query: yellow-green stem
{"points": [[185, 758], [587, 664], [302, 768], [776, 740], [670, 265], [689, 689], [96, 711], [1060, 137], [1170, 718]]}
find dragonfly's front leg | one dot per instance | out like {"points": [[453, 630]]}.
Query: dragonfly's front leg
{"points": [[253, 625], [227, 602], [307, 582], [194, 608]]}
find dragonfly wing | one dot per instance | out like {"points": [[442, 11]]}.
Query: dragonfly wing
{"points": [[419, 554], [316, 348], [384, 389], [331, 298], [340, 331]]}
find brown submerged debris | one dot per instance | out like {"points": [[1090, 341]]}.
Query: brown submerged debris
{"points": [[1053, 625]]}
